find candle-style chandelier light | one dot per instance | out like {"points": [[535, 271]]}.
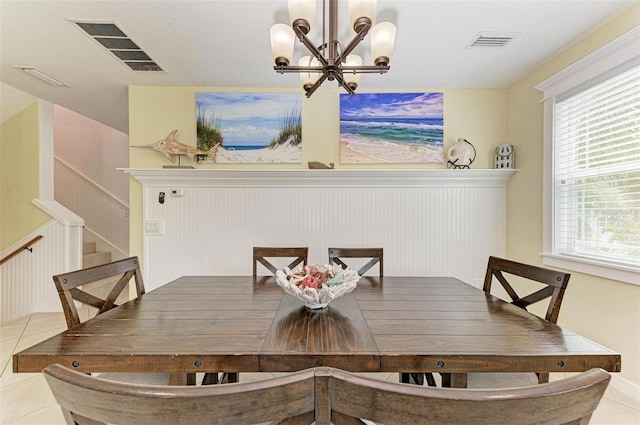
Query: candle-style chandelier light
{"points": [[331, 60]]}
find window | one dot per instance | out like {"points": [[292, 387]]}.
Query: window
{"points": [[597, 171], [592, 170]]}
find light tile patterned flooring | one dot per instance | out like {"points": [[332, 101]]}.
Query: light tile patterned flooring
{"points": [[26, 399]]}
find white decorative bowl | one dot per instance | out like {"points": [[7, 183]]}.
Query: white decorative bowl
{"points": [[340, 281]]}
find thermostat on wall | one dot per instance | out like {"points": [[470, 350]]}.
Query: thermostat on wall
{"points": [[177, 192]]}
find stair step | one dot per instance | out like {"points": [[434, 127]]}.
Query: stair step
{"points": [[88, 248], [95, 259]]}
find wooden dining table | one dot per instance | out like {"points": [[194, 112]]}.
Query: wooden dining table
{"points": [[248, 324]]}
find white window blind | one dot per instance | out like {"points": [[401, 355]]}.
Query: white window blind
{"points": [[596, 178]]}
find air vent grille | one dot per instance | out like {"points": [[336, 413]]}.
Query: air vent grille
{"points": [[114, 40], [492, 39], [32, 70]]}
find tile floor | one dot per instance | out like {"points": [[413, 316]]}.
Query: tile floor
{"points": [[26, 399]]}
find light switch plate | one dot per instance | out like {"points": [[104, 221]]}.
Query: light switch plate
{"points": [[154, 227]]}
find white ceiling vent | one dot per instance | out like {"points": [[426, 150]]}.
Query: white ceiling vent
{"points": [[492, 39], [112, 38], [32, 70]]}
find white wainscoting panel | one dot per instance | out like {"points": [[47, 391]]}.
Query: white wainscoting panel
{"points": [[429, 222], [25, 280], [105, 215]]}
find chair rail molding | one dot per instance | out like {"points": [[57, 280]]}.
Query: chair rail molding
{"points": [[319, 178], [429, 222]]}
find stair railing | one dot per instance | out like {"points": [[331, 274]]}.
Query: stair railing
{"points": [[26, 246]]}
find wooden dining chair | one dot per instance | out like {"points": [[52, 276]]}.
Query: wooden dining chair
{"points": [[87, 400], [337, 256], [261, 255], [75, 286], [80, 286], [322, 396], [568, 401], [554, 285]]}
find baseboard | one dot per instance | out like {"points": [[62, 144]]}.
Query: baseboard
{"points": [[624, 386]]}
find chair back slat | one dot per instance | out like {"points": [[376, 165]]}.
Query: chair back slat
{"points": [[534, 297], [261, 255], [323, 395], [376, 255], [110, 300], [86, 298], [68, 286], [265, 263], [556, 282]]}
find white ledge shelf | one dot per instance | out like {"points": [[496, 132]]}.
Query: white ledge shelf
{"points": [[321, 178]]}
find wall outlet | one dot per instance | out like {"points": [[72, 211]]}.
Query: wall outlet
{"points": [[177, 191], [154, 227]]}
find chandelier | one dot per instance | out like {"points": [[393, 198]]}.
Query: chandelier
{"points": [[331, 60]]}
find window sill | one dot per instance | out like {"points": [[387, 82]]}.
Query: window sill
{"points": [[622, 274]]}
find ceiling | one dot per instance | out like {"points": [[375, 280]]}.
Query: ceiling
{"points": [[225, 43]]}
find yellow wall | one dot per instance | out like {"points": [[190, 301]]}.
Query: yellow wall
{"points": [[605, 311], [20, 176], [476, 114]]}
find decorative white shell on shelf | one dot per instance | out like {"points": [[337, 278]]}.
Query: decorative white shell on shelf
{"points": [[461, 154]]}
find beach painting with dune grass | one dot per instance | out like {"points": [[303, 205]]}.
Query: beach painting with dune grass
{"points": [[250, 127], [391, 128]]}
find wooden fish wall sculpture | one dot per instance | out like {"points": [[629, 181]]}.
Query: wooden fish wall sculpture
{"points": [[169, 147]]}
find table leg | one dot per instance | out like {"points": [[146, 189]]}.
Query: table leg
{"points": [[458, 380], [178, 378], [210, 378]]}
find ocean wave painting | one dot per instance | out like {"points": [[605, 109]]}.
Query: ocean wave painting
{"points": [[391, 128]]}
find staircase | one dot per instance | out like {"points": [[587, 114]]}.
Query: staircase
{"points": [[91, 257]]}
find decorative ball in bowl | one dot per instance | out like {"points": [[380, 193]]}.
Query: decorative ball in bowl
{"points": [[316, 285]]}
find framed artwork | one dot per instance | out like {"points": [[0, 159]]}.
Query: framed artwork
{"points": [[391, 128], [250, 127]]}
